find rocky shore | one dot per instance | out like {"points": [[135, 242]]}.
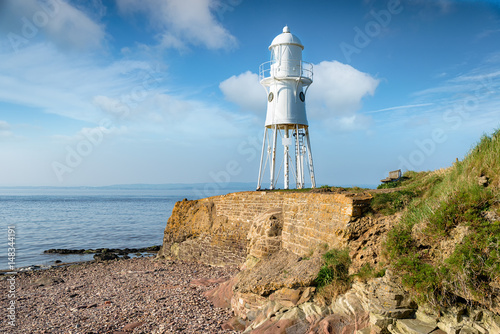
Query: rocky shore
{"points": [[137, 295]]}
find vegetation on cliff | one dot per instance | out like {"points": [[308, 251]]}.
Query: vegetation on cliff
{"points": [[447, 243]]}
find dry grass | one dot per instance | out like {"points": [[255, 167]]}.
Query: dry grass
{"points": [[327, 294]]}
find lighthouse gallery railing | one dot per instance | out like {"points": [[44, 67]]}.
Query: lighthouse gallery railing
{"points": [[286, 69]]}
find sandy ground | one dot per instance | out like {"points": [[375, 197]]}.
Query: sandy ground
{"points": [[126, 296]]}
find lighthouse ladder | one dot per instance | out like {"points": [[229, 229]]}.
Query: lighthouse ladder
{"points": [[299, 151]]}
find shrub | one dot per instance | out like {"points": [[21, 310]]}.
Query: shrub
{"points": [[335, 268]]}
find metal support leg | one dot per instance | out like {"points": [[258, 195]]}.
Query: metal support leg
{"points": [[311, 166], [298, 154], [273, 157], [285, 158], [262, 159]]}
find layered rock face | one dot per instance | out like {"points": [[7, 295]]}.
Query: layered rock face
{"points": [[275, 237]]}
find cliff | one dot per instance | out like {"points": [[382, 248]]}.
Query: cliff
{"points": [[420, 257]]}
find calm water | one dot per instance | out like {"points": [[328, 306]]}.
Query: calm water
{"points": [[83, 218]]}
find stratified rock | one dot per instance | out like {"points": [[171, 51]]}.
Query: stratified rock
{"points": [[280, 270], [248, 305], [286, 296], [307, 293], [491, 321], [274, 327], [313, 313], [222, 294], [207, 281], [412, 326], [334, 324], [235, 324]]}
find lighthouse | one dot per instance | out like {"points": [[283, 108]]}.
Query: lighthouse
{"points": [[286, 79]]}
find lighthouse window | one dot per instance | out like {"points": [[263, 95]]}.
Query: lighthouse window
{"points": [[302, 96], [270, 97]]}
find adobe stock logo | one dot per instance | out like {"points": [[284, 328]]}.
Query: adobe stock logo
{"points": [[29, 27], [372, 29], [226, 6], [74, 155], [248, 149], [454, 118]]}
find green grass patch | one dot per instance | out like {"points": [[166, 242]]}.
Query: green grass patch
{"points": [[444, 202], [390, 203], [367, 272], [461, 207], [333, 278], [335, 267]]}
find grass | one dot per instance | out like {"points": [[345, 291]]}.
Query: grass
{"points": [[412, 186], [444, 204], [333, 277], [324, 188], [390, 203], [367, 271], [392, 184], [335, 267]]}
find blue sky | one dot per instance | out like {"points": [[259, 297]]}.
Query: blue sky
{"points": [[166, 91]]}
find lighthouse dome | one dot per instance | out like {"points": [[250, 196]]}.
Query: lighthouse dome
{"points": [[286, 38]]}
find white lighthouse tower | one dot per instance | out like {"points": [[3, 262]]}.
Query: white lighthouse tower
{"points": [[286, 79]]}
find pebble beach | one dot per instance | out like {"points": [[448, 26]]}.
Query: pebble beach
{"points": [[138, 295]]}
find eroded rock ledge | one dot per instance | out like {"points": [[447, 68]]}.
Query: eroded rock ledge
{"points": [[274, 237]]}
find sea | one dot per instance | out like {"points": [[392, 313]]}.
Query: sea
{"points": [[37, 219]]}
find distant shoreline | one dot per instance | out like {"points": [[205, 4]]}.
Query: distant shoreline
{"points": [[249, 186]]}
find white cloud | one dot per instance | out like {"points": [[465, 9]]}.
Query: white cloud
{"points": [[96, 135], [245, 91], [111, 105], [69, 28], [408, 106], [338, 90], [5, 130], [129, 93], [355, 122], [4, 126], [468, 101], [73, 86], [183, 22], [184, 120], [334, 97]]}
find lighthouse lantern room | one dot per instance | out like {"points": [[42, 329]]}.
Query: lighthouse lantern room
{"points": [[286, 79]]}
